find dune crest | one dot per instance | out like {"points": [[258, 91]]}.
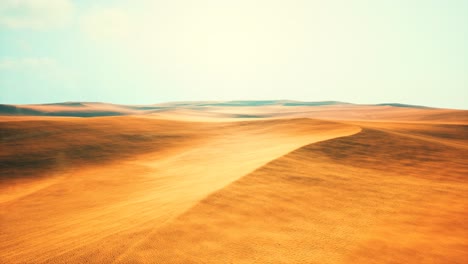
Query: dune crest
{"points": [[346, 200], [142, 192]]}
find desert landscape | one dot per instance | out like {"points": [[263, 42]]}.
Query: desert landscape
{"points": [[233, 182], [234, 132]]}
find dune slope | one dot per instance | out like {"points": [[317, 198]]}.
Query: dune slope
{"points": [[373, 197], [118, 180]]}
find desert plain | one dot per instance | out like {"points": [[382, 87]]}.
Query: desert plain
{"points": [[233, 182]]}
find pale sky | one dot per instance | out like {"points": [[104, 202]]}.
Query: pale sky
{"points": [[144, 52]]}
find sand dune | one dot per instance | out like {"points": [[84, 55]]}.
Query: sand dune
{"points": [[244, 110], [369, 198], [256, 182], [63, 216]]}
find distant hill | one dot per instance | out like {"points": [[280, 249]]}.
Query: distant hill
{"points": [[322, 103], [404, 105], [254, 103], [14, 110], [241, 109], [74, 109], [94, 109]]}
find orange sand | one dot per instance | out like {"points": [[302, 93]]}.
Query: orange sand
{"points": [[387, 187]]}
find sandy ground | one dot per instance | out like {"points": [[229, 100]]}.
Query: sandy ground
{"points": [[281, 188]]}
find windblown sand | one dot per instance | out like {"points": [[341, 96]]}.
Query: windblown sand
{"points": [[282, 189]]}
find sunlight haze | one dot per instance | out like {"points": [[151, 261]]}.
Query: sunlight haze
{"points": [[142, 52]]}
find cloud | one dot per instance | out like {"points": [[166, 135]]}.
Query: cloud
{"points": [[35, 14], [39, 63], [45, 68], [106, 23]]}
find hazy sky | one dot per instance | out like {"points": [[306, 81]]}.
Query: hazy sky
{"points": [[141, 51]]}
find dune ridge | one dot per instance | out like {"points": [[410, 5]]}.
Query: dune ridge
{"points": [[163, 184], [344, 200]]}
